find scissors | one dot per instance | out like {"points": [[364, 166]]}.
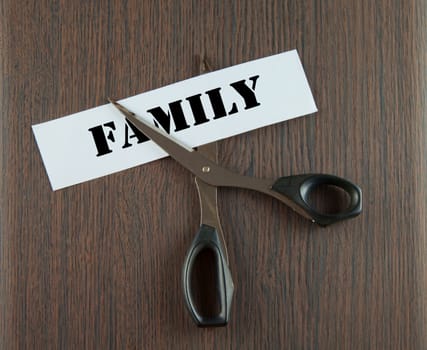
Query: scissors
{"points": [[293, 191]]}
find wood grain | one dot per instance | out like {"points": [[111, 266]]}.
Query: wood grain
{"points": [[98, 265]]}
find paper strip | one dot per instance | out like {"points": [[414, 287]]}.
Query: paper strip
{"points": [[196, 111]]}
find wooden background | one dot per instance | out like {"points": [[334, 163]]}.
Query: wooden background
{"points": [[98, 265]]}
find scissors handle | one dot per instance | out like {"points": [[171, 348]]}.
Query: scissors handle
{"points": [[298, 188], [207, 238]]}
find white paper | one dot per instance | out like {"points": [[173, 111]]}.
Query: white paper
{"points": [[71, 155]]}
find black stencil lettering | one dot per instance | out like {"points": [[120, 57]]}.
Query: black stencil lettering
{"points": [[197, 109], [136, 134], [217, 103], [100, 139], [163, 118], [246, 92]]}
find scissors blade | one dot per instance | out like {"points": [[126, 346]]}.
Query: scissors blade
{"points": [[190, 159], [209, 151]]}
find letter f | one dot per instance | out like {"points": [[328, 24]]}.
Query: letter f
{"points": [[100, 138]]}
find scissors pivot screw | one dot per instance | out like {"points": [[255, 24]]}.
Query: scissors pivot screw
{"points": [[206, 169]]}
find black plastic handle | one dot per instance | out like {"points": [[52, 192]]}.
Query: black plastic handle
{"points": [[207, 238], [299, 187]]}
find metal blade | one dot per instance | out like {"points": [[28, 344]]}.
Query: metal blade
{"points": [[210, 151], [193, 161]]}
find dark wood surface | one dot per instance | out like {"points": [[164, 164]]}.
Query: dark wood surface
{"points": [[98, 265]]}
